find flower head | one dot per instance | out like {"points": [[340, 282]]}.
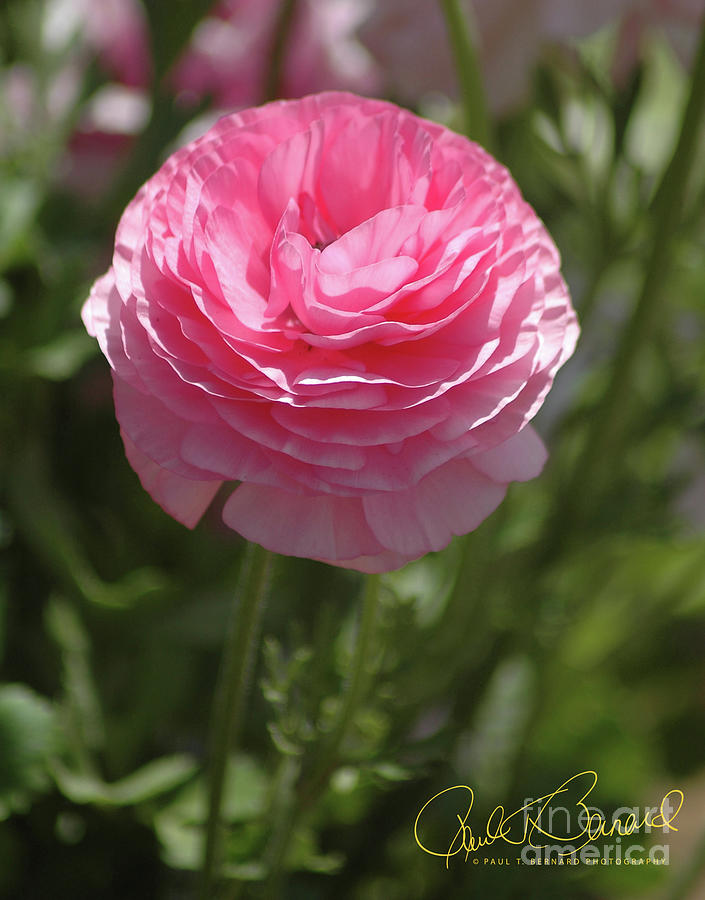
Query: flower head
{"points": [[349, 310]]}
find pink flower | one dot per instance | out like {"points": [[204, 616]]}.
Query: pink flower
{"points": [[680, 20], [115, 34], [409, 39], [227, 57], [114, 30], [346, 308], [230, 52], [103, 139]]}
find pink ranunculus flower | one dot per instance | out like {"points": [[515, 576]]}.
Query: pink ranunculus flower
{"points": [[349, 310]]}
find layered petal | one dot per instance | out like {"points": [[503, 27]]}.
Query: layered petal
{"points": [[350, 311], [183, 498]]}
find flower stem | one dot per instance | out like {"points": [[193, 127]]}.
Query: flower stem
{"points": [[273, 82], [310, 786], [357, 681], [284, 813], [591, 474], [477, 121], [233, 681], [169, 32]]}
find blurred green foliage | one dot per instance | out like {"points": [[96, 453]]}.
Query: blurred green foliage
{"points": [[512, 660]]}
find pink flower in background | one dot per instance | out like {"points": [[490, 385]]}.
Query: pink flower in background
{"points": [[346, 308], [117, 29], [73, 33], [680, 20], [230, 50], [114, 31], [227, 58], [229, 54], [514, 33], [409, 39], [104, 137], [24, 116]]}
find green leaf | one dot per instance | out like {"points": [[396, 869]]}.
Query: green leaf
{"points": [[182, 842], [244, 794], [28, 738], [52, 536], [391, 771], [653, 126], [179, 825], [425, 584], [152, 780], [282, 742], [63, 357], [489, 748], [624, 578], [81, 711], [304, 854], [6, 298], [20, 200]]}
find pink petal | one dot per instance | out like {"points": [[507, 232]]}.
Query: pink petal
{"points": [[315, 526], [520, 458], [449, 501], [182, 498]]}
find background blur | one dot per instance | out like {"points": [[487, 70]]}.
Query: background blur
{"points": [[566, 634]]}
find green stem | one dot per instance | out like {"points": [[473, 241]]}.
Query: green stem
{"points": [[239, 653], [608, 423], [285, 17], [51, 536], [477, 120], [591, 294], [310, 786], [170, 29], [283, 820], [358, 676]]}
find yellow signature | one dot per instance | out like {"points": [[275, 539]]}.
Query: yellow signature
{"points": [[517, 829]]}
